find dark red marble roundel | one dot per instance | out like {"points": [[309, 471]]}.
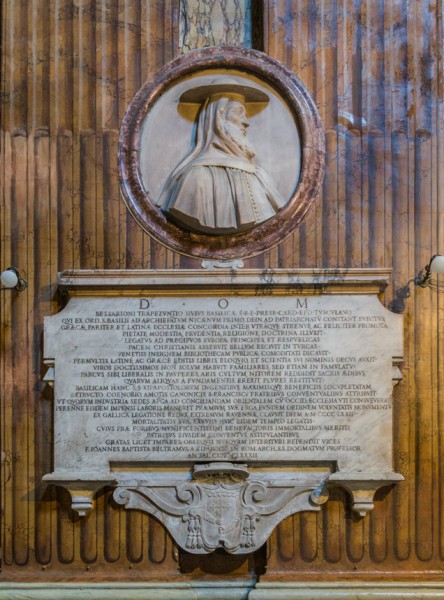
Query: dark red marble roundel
{"points": [[267, 234]]}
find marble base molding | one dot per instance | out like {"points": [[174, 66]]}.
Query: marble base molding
{"points": [[223, 591]]}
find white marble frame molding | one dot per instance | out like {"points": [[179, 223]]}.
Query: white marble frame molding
{"points": [[223, 591]]}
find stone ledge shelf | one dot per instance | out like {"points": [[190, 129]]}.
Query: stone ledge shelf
{"points": [[82, 487], [363, 486]]}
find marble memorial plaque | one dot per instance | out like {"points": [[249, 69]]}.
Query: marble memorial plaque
{"points": [[168, 379], [226, 375]]}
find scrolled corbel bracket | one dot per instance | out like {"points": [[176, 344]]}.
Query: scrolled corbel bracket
{"points": [[83, 491], [363, 486]]}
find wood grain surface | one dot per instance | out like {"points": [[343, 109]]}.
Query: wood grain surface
{"points": [[69, 70]]}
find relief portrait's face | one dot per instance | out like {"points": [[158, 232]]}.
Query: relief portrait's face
{"points": [[237, 116], [236, 124]]}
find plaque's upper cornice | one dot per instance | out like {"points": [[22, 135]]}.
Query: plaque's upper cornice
{"points": [[249, 282]]}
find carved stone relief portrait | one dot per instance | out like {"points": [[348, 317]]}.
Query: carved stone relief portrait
{"points": [[222, 154], [219, 186]]}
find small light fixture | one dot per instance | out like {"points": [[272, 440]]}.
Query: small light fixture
{"points": [[11, 279], [424, 278]]}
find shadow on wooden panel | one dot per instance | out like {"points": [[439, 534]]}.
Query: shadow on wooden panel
{"points": [[222, 563], [257, 25]]}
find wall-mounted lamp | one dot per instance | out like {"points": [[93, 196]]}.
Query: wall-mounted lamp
{"points": [[424, 278], [11, 279]]}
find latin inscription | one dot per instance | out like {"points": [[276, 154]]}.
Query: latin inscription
{"points": [[222, 378]]}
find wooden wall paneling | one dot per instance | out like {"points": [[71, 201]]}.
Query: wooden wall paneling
{"points": [[110, 531], [100, 556], [66, 199], [350, 115], [423, 351], [333, 527], [346, 16], [405, 265], [6, 337], [305, 33], [401, 276], [439, 244], [44, 258], [308, 536], [435, 242], [114, 254], [326, 64], [107, 127], [133, 42], [20, 345], [330, 232], [61, 72], [283, 542], [105, 70], [38, 64], [303, 47], [129, 52], [66, 529], [87, 534], [45, 266], [157, 542], [419, 63], [83, 108], [82, 99], [373, 108], [137, 528], [157, 50], [411, 341], [16, 58], [60, 127], [171, 29], [271, 258], [294, 21], [85, 169], [351, 132], [355, 538], [321, 88], [72, 69], [355, 213], [16, 529], [376, 184], [128, 82], [378, 529], [396, 125]]}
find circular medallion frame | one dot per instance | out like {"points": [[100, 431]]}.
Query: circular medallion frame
{"points": [[265, 235]]}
